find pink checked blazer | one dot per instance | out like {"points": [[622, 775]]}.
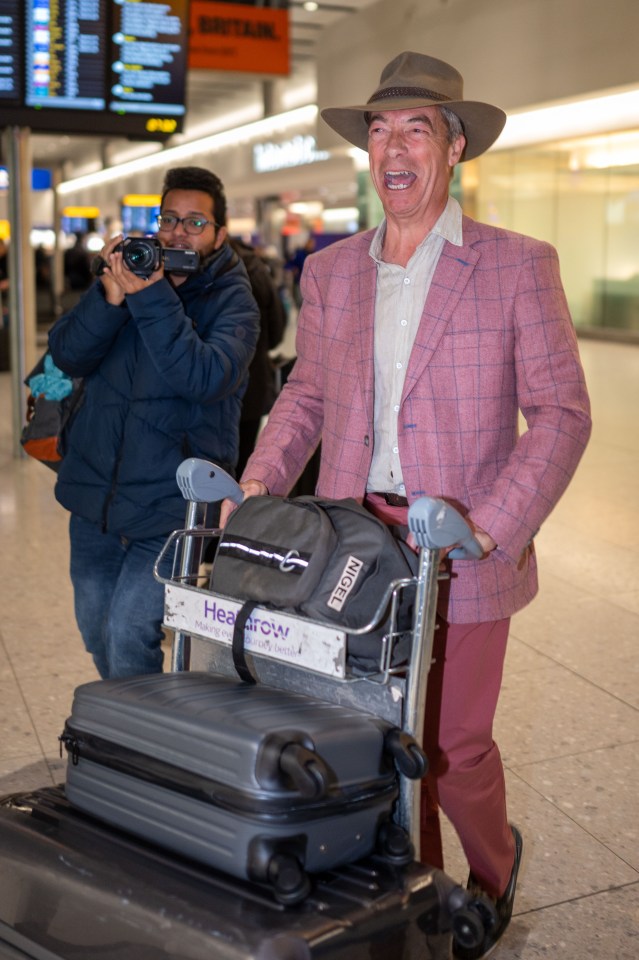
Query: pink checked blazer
{"points": [[495, 338]]}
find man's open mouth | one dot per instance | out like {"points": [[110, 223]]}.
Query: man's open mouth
{"points": [[398, 179]]}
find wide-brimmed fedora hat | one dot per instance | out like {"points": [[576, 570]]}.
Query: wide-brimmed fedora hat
{"points": [[416, 80]]}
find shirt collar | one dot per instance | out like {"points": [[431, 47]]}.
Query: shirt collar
{"points": [[448, 226]]}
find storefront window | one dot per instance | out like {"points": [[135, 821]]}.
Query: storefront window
{"points": [[583, 197]]}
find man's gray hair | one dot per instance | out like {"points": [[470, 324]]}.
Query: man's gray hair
{"points": [[454, 126]]}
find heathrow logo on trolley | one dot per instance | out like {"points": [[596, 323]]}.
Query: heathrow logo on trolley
{"points": [[268, 633]]}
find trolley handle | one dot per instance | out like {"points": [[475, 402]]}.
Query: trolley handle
{"points": [[201, 481], [436, 525]]}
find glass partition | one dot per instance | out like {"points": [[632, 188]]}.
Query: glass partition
{"points": [[583, 197]]}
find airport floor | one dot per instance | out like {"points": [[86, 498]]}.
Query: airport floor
{"points": [[568, 719]]}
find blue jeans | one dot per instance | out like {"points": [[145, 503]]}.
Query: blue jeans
{"points": [[119, 605]]}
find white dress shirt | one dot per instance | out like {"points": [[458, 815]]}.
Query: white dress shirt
{"points": [[399, 302]]}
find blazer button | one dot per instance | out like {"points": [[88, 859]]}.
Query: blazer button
{"points": [[366, 441]]}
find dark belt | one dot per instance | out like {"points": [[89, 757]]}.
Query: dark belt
{"points": [[392, 499]]}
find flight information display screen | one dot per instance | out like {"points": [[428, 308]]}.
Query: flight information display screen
{"points": [[100, 67]]}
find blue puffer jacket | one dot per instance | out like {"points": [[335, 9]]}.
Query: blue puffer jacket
{"points": [[164, 376]]}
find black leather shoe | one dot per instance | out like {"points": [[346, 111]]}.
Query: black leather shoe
{"points": [[503, 908]]}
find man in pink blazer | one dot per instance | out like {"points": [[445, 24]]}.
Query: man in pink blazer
{"points": [[419, 344]]}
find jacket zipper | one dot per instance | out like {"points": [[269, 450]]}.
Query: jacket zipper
{"points": [[111, 494]]}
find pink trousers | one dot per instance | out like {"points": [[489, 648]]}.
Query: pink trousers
{"points": [[466, 776]]}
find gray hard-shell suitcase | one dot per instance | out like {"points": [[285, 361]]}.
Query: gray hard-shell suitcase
{"points": [[262, 783]]}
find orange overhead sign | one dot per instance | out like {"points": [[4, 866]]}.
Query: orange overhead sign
{"points": [[237, 36]]}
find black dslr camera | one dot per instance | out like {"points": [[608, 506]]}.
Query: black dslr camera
{"points": [[143, 256]]}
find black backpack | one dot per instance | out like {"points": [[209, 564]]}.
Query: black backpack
{"points": [[330, 560]]}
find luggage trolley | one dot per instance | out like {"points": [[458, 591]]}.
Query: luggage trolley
{"points": [[316, 664], [78, 881]]}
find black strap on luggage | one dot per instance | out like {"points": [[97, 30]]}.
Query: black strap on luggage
{"points": [[237, 647]]}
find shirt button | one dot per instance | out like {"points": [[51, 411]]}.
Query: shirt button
{"points": [[396, 408], [407, 280], [404, 323], [399, 366], [395, 449]]}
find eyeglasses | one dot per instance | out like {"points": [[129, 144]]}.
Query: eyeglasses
{"points": [[193, 225]]}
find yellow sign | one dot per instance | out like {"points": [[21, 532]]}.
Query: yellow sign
{"points": [[237, 36], [89, 212], [161, 125], [142, 200]]}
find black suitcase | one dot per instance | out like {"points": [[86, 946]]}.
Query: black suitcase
{"points": [[72, 888], [262, 783]]}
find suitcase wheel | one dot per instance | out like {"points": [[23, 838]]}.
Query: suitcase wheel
{"points": [[394, 845], [468, 928], [306, 770], [287, 761], [289, 881], [471, 922], [408, 757]]}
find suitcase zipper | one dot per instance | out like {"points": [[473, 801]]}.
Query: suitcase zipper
{"points": [[289, 808], [72, 745]]}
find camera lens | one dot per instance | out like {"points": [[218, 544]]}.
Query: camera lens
{"points": [[139, 254], [142, 256]]}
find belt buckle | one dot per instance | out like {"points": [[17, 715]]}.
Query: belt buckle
{"points": [[395, 500]]}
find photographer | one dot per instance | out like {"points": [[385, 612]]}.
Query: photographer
{"points": [[164, 356]]}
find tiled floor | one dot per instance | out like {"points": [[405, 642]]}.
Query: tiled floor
{"points": [[568, 721]]}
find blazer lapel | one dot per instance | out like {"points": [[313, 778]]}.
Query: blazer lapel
{"points": [[451, 276]]}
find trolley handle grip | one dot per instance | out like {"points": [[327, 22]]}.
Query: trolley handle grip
{"points": [[437, 525]]}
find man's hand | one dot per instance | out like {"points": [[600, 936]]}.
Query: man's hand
{"points": [[250, 488], [484, 539], [118, 280], [113, 292]]}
